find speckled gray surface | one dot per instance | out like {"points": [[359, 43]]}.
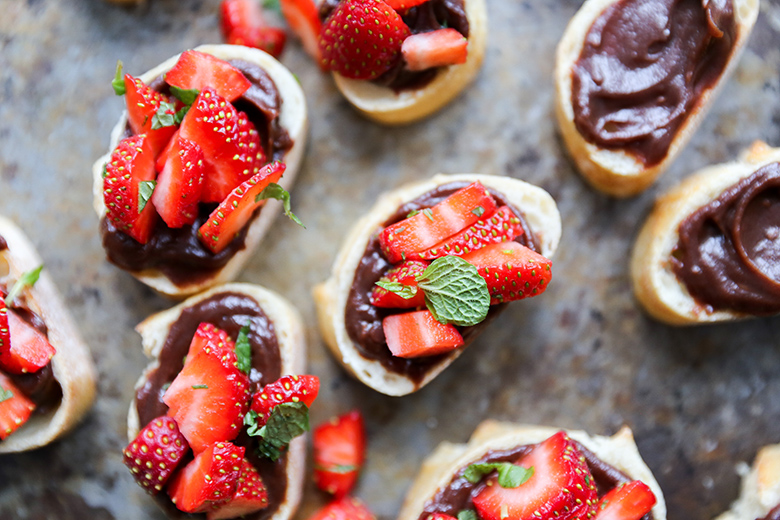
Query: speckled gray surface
{"points": [[583, 355]]}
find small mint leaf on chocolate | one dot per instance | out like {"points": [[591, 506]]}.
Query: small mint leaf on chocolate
{"points": [[119, 80], [186, 96], [165, 116], [406, 292], [274, 191], [455, 292], [243, 350], [509, 475], [145, 190], [27, 279]]}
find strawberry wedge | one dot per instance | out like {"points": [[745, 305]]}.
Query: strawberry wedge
{"points": [[629, 501], [251, 495], [29, 350], [339, 452], [197, 70], [304, 20], [243, 24], [180, 184], [208, 481], [142, 105], [417, 334], [434, 49], [15, 408], [405, 274], [511, 270]]}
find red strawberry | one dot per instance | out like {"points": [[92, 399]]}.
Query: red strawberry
{"points": [[560, 485], [142, 105], [29, 350], [180, 184], [208, 481], [417, 334], [268, 39], [197, 70], [155, 453], [303, 18], [346, 508], [237, 208], [403, 5], [286, 389], [439, 516], [629, 501], [406, 274], [15, 407], [511, 270], [131, 163], [432, 225], [251, 495], [361, 39], [339, 452], [434, 49], [207, 335], [243, 24], [5, 332]]}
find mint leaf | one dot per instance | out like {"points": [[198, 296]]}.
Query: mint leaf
{"points": [[274, 191], [272, 5], [428, 212], [179, 116], [406, 292], [187, 97], [412, 213], [164, 116], [287, 421], [250, 420], [337, 468], [105, 170], [5, 395], [200, 387], [27, 279], [244, 350], [455, 292], [478, 211], [509, 475], [145, 190], [468, 514], [119, 81]]}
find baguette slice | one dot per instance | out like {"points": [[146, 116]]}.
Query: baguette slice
{"points": [[760, 492], [385, 106], [293, 118], [612, 171], [655, 284], [438, 469], [292, 348], [72, 364], [331, 297]]}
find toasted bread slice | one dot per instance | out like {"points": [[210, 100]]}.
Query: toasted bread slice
{"points": [[760, 492]]}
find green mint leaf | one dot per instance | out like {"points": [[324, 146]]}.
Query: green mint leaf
{"points": [[509, 475], [428, 212], [145, 190], [272, 5], [244, 350], [274, 191], [5, 395], [200, 387], [455, 292], [287, 421], [105, 170], [166, 386], [468, 514], [27, 279], [187, 97], [296, 77], [179, 116], [412, 213], [406, 292], [119, 81], [478, 211], [250, 420], [164, 116], [337, 468]]}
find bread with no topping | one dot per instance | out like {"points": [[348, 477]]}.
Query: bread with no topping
{"points": [[760, 487]]}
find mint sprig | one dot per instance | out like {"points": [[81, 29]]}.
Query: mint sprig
{"points": [[455, 292], [509, 475], [287, 421], [145, 191], [274, 191], [27, 279], [119, 80], [244, 350]]}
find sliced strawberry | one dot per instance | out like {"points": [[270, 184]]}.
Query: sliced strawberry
{"points": [[243, 24], [403, 5], [237, 15], [433, 225], [304, 21], [361, 39], [561, 485], [629, 501], [405, 274], [269, 39], [235, 211], [142, 105], [15, 407], [251, 495], [511, 270], [197, 70], [434, 49], [162, 157], [155, 453], [208, 481], [339, 452], [286, 389], [5, 332], [207, 335], [346, 508], [180, 184], [29, 350], [417, 334], [131, 163], [439, 516]]}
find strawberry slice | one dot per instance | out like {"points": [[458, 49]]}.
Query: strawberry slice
{"points": [[251, 495], [403, 5], [303, 18], [243, 24], [269, 39], [417, 334], [5, 332], [29, 350], [142, 105], [155, 453], [237, 208], [207, 335], [15, 407], [439, 516], [180, 184], [286, 389], [208, 481], [197, 70], [561, 485], [131, 164], [346, 508], [630, 501], [405, 274], [511, 270], [339, 452], [432, 225], [434, 49]]}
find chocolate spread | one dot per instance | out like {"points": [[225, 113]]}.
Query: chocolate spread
{"points": [[229, 312], [728, 254], [774, 514], [643, 69], [3, 244], [364, 321]]}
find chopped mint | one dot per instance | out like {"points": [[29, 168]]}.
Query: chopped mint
{"points": [[272, 5], [509, 475], [412, 213], [179, 116], [164, 116], [455, 292], [200, 387], [119, 81], [5, 395], [187, 97], [27, 279], [478, 211], [244, 350], [274, 191], [105, 170], [468, 514], [407, 292], [287, 421], [145, 190], [428, 212]]}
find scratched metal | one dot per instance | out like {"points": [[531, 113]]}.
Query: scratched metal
{"points": [[582, 356]]}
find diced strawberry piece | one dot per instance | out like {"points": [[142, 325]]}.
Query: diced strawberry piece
{"points": [[251, 495], [339, 452], [180, 184], [269, 39], [346, 508], [240, 14], [208, 481], [197, 70], [403, 5], [243, 24], [131, 163], [439, 516], [286, 389], [561, 486], [207, 335], [155, 453], [434, 49], [5, 332], [162, 157], [304, 21], [433, 225], [142, 105], [361, 39], [406, 274], [29, 350], [235, 211], [15, 407], [417, 334], [511, 270], [630, 501]]}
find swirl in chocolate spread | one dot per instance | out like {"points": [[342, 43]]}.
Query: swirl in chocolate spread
{"points": [[728, 253], [774, 514], [364, 321], [643, 69]]}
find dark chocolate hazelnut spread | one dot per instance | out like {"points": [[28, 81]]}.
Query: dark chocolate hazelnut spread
{"points": [[364, 321], [643, 69], [728, 254], [774, 514], [3, 244]]}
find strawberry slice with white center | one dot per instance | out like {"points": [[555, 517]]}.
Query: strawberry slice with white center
{"points": [[251, 495], [29, 349], [142, 105], [405, 274], [433, 225], [197, 70], [418, 334], [434, 49], [303, 18], [339, 452], [235, 211], [208, 481], [15, 407], [155, 453], [180, 184], [511, 270], [629, 501]]}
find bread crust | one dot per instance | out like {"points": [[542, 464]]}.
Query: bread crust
{"points": [[293, 118], [292, 347], [72, 364], [612, 171], [655, 284], [385, 106], [438, 469], [331, 297], [760, 487]]}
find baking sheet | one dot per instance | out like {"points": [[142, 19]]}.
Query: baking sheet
{"points": [[581, 356]]}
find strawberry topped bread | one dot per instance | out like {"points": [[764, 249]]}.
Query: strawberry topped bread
{"points": [[759, 498], [427, 268], [47, 378], [216, 421], [208, 136]]}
